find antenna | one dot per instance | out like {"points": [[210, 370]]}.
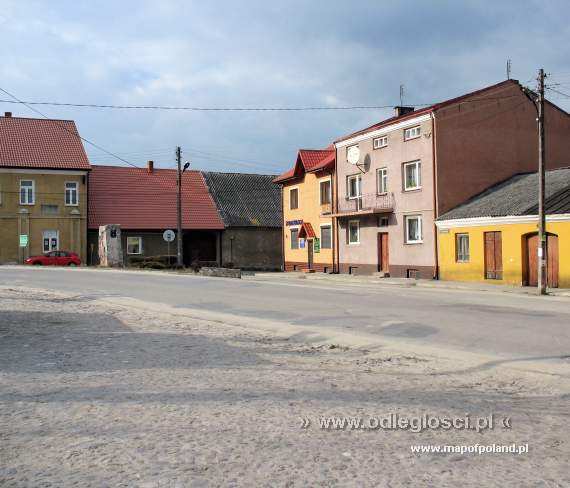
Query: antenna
{"points": [[401, 95], [508, 69]]}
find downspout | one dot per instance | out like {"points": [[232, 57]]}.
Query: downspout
{"points": [[336, 251], [435, 197], [282, 231], [88, 256]]}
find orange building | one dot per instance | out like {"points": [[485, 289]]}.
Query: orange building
{"points": [[307, 196]]}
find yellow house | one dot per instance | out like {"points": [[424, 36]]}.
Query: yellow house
{"points": [[43, 188], [307, 196], [493, 237]]}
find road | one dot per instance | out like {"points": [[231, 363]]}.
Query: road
{"points": [[508, 326]]}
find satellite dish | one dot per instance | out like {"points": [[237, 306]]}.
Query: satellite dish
{"points": [[365, 166], [353, 154]]}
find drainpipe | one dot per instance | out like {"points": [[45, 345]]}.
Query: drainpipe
{"points": [[282, 230], [435, 195], [336, 252]]}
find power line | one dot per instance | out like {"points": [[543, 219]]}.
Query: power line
{"points": [[17, 100], [234, 109], [558, 91]]}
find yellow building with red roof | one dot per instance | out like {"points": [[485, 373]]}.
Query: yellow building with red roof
{"points": [[307, 198]]}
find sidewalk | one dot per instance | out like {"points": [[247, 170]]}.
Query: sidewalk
{"points": [[403, 282]]}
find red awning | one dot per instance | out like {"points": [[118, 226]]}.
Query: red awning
{"points": [[306, 231]]}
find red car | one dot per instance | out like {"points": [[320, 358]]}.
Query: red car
{"points": [[55, 258]]}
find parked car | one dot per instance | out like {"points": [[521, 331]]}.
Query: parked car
{"points": [[55, 258]]}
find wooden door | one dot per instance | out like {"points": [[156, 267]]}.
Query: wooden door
{"points": [[551, 261], [532, 260], [310, 253], [383, 264], [493, 256]]}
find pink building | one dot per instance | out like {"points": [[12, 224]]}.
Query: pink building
{"points": [[396, 177]]}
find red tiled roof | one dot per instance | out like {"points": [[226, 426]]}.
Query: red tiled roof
{"points": [[41, 143], [137, 199], [309, 161], [425, 110], [306, 231]]}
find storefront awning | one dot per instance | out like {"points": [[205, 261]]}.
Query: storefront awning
{"points": [[306, 231]]}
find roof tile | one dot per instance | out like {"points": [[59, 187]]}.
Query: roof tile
{"points": [[41, 143]]}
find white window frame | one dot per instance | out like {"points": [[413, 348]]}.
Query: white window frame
{"points": [[357, 222], [76, 204], [292, 189], [33, 200], [458, 236], [329, 181], [358, 178], [321, 236], [381, 177], [140, 246], [407, 218], [50, 233], [291, 238], [380, 142], [412, 132], [418, 165]]}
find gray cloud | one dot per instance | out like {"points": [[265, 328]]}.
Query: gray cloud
{"points": [[255, 53]]}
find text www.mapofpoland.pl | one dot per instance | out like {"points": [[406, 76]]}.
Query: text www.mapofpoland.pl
{"points": [[470, 449]]}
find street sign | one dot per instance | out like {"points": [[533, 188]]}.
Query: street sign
{"points": [[168, 235], [317, 244], [23, 240]]}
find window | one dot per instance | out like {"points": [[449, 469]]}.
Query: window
{"points": [[71, 193], [353, 186], [134, 245], [294, 198], [27, 192], [325, 191], [413, 225], [380, 142], [50, 240], [411, 133], [294, 238], [50, 209], [382, 180], [353, 232], [412, 176], [462, 248], [326, 237], [383, 221]]}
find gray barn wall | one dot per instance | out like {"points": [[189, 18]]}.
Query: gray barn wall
{"points": [[253, 248]]}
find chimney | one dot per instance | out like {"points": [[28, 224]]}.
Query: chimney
{"points": [[401, 110], [7, 114], [150, 166]]}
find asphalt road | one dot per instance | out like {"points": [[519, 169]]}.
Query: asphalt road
{"points": [[504, 325]]}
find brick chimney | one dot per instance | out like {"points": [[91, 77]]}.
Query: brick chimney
{"points": [[150, 166], [7, 114], [400, 110]]}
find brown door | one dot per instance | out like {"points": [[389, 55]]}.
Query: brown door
{"points": [[310, 253], [383, 252], [551, 261], [493, 256]]}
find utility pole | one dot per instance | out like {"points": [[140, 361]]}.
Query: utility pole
{"points": [[508, 69], [179, 259], [541, 187]]}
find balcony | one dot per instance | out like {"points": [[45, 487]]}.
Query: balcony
{"points": [[370, 203]]}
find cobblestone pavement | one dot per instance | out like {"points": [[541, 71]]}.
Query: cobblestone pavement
{"points": [[100, 394]]}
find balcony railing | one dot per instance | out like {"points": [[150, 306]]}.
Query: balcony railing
{"points": [[367, 203]]}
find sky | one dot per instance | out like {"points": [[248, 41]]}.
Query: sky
{"points": [[263, 54]]}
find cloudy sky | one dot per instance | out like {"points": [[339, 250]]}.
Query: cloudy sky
{"points": [[263, 54]]}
